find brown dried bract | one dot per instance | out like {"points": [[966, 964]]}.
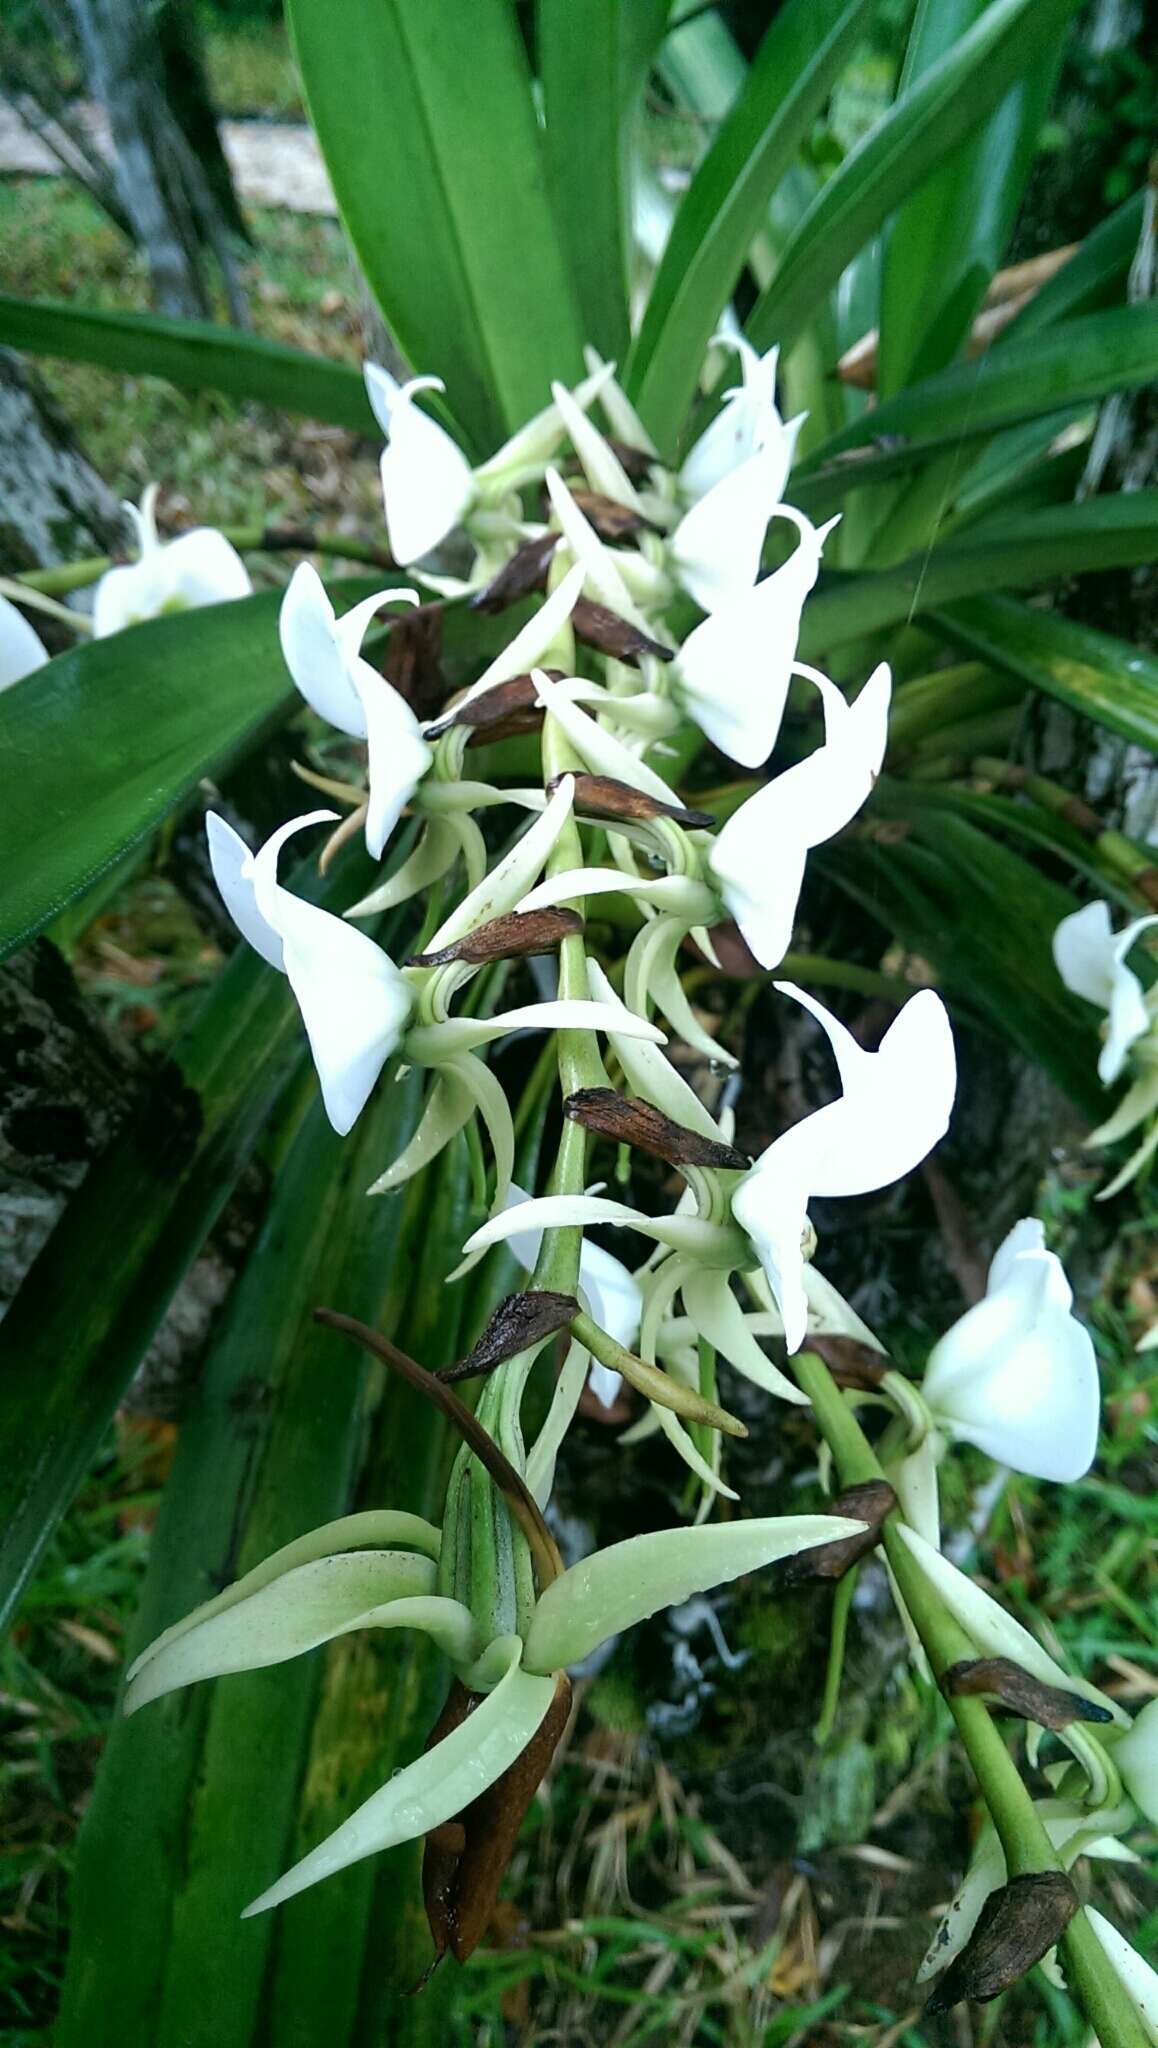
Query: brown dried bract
{"points": [[518, 1322], [1001, 1679], [601, 796], [597, 626], [852, 1364], [507, 708], [611, 520], [629, 1121], [868, 1503], [526, 571], [1017, 1926], [515, 936], [460, 1884], [413, 660], [636, 461]]}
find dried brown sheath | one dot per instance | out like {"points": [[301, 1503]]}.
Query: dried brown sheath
{"points": [[636, 461], [414, 658], [601, 796], [526, 571], [512, 937], [513, 705], [1020, 1692], [629, 1121], [517, 1323], [596, 626], [868, 1503], [511, 1484], [1017, 1926], [851, 1363], [611, 520], [460, 1891]]}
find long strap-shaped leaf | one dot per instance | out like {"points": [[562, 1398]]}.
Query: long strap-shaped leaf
{"points": [[1105, 679], [424, 113], [947, 103], [1064, 540], [942, 247], [798, 61], [192, 353], [592, 57], [94, 1297], [196, 1803]]}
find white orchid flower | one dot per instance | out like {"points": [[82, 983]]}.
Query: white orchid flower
{"points": [[732, 673], [1092, 964], [354, 1574], [1136, 1757], [1138, 1979], [747, 424], [715, 550], [758, 856], [354, 1002], [323, 655], [1017, 1375], [200, 567], [428, 485], [894, 1108], [22, 651], [613, 1295]]}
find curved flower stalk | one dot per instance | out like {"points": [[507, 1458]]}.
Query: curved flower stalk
{"points": [[199, 567], [324, 657], [1092, 963], [22, 651]]}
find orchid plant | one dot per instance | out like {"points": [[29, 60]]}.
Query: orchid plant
{"points": [[600, 672]]}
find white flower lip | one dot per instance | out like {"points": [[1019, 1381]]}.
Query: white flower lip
{"points": [[1092, 964], [22, 651], [747, 422], [353, 1000], [427, 482], [733, 671], [758, 856], [323, 655], [894, 1108], [1017, 1375], [200, 567]]}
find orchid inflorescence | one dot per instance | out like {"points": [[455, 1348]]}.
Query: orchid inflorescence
{"points": [[618, 551]]}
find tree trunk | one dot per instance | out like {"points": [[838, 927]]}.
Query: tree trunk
{"points": [[55, 508], [161, 182]]}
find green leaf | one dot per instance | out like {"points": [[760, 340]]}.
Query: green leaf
{"points": [[1094, 277], [273, 1445], [1075, 363], [985, 919], [1118, 531], [586, 51], [1104, 679], [429, 134], [70, 1346], [193, 354], [795, 67], [943, 246], [952, 99]]}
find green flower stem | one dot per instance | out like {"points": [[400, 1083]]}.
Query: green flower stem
{"points": [[1022, 1836], [841, 1608]]}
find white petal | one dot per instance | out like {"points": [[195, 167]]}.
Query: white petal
{"points": [[427, 483], [232, 864], [295, 1612], [435, 1787], [715, 550], [125, 596], [353, 1000], [1136, 1756], [648, 1070], [613, 1295], [624, 1584], [313, 653], [22, 650], [604, 1383], [204, 568], [1018, 1375], [732, 673], [532, 644], [746, 422], [398, 755], [1133, 1972], [774, 1213], [509, 882], [381, 389], [1129, 1018], [601, 465], [1083, 952], [602, 752], [622, 417], [598, 561]]}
